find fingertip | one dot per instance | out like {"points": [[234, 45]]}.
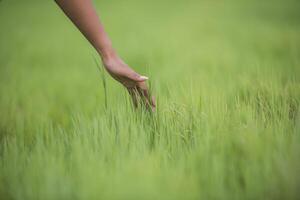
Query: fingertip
{"points": [[153, 103], [153, 108]]}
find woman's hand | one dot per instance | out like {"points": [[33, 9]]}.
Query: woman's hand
{"points": [[84, 16], [133, 82]]}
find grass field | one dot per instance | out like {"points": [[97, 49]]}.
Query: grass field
{"points": [[226, 75]]}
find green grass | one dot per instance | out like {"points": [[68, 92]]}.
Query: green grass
{"points": [[227, 79]]}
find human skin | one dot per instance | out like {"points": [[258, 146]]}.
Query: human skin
{"points": [[83, 14]]}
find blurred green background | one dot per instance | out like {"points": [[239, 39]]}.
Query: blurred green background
{"points": [[226, 78]]}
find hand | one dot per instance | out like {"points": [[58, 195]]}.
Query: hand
{"points": [[84, 16], [134, 82]]}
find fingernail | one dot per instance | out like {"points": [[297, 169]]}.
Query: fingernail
{"points": [[144, 77]]}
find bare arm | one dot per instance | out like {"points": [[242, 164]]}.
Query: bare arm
{"points": [[84, 16]]}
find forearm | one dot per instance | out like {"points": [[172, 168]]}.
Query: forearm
{"points": [[84, 16]]}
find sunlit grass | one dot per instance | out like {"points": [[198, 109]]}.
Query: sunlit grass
{"points": [[226, 79]]}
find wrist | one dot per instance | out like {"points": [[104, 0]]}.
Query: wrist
{"points": [[107, 54]]}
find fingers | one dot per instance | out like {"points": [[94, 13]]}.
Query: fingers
{"points": [[140, 97], [148, 100], [138, 90]]}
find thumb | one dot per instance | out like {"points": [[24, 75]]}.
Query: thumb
{"points": [[137, 77]]}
